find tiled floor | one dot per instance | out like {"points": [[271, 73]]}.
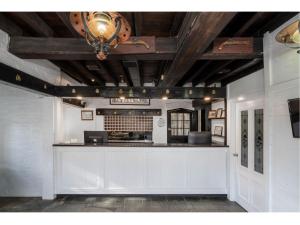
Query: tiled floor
{"points": [[119, 204]]}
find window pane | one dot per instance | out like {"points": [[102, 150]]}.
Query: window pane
{"points": [[173, 116], [186, 116], [186, 124], [259, 138], [186, 132], [244, 138], [180, 116], [174, 124], [180, 123], [180, 132]]}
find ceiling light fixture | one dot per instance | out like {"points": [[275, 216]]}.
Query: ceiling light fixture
{"points": [[103, 30], [207, 98], [290, 36]]}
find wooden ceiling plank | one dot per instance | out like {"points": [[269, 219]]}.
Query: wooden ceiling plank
{"points": [[138, 23], [64, 17], [199, 32], [69, 70], [249, 23], [9, 26], [35, 22]]}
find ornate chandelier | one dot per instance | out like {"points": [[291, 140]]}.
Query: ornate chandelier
{"points": [[102, 30]]}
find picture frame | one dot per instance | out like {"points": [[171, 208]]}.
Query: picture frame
{"points": [[218, 131], [223, 115], [219, 113], [87, 115], [212, 114]]}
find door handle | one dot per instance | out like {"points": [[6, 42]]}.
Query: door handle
{"points": [[235, 154]]}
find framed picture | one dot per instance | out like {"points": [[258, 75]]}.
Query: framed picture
{"points": [[87, 115], [212, 114], [223, 113], [218, 130], [219, 112], [130, 101]]}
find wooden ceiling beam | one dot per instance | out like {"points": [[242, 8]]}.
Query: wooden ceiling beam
{"points": [[133, 69], [84, 71], [72, 72], [236, 71], [257, 16], [138, 23], [244, 73], [78, 49], [101, 69], [200, 30], [64, 17], [215, 69], [9, 26], [35, 22]]}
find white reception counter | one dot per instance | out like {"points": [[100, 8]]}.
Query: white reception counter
{"points": [[140, 170]]}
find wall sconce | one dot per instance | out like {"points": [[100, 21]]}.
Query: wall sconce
{"points": [[290, 36]]}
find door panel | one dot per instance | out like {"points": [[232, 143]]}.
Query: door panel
{"points": [[251, 193]]}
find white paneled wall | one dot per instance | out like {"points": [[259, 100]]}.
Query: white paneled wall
{"points": [[278, 82], [26, 128]]}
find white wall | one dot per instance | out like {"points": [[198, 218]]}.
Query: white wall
{"points": [[278, 82], [282, 82], [74, 127], [28, 121]]}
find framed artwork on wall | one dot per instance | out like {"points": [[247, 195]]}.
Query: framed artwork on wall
{"points": [[212, 114], [219, 113], [87, 115], [218, 130]]}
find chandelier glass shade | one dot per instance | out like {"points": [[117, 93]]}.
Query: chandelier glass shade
{"points": [[290, 35], [102, 30]]}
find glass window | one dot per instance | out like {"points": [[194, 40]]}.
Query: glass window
{"points": [[244, 138], [180, 124], [259, 137]]}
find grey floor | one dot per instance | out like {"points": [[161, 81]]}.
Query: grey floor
{"points": [[119, 204]]}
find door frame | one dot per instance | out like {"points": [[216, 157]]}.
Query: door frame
{"points": [[193, 124]]}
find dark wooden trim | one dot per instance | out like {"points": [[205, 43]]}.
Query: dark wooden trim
{"points": [[138, 92], [9, 26], [78, 49], [128, 112], [17, 77], [74, 102], [133, 69]]}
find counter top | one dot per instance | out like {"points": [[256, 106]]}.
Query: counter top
{"points": [[121, 144]]}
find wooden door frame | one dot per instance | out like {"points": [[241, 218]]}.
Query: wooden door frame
{"points": [[193, 124]]}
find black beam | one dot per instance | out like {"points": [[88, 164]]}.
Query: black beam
{"points": [[140, 92], [19, 78], [74, 102], [243, 74]]}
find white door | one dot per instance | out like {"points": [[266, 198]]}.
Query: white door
{"points": [[250, 164]]}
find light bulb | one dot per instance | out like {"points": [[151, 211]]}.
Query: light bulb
{"points": [[101, 28], [164, 98], [296, 37]]}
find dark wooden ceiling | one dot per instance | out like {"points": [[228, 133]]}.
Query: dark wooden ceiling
{"points": [[183, 42]]}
